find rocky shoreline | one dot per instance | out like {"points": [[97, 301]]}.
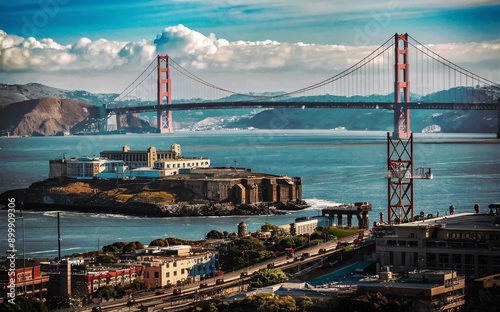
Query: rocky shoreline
{"points": [[128, 199]]}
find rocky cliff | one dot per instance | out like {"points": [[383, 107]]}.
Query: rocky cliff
{"points": [[146, 198]]}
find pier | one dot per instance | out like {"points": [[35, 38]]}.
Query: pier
{"points": [[360, 210]]}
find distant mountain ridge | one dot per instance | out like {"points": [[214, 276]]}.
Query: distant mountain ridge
{"points": [[17, 93]]}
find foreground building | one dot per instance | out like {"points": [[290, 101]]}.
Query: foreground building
{"points": [[468, 243], [443, 289], [80, 278], [177, 264], [28, 280]]}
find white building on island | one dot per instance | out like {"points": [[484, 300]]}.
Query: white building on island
{"points": [[126, 164]]}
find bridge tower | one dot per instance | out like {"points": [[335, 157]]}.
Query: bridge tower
{"points": [[401, 88], [164, 117]]}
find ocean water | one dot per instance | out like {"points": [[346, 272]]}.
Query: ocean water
{"points": [[335, 167]]}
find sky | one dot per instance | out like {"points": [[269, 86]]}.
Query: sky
{"points": [[252, 45]]}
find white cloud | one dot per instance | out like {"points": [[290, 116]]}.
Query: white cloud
{"points": [[29, 54], [206, 55]]}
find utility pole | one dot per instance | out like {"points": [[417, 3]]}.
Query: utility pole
{"points": [[59, 236]]}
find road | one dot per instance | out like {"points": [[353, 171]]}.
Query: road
{"points": [[190, 294]]}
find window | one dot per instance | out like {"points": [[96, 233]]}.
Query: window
{"points": [[157, 274]]}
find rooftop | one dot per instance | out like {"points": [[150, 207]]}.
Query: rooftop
{"points": [[461, 221]]}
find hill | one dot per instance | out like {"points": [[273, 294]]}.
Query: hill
{"points": [[45, 116], [54, 116]]}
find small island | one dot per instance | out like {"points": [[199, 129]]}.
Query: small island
{"points": [[155, 183]]}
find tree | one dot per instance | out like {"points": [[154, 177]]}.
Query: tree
{"points": [[106, 292], [274, 229], [66, 301], [214, 234], [24, 304], [130, 247], [279, 304], [106, 258], [115, 247], [304, 303], [266, 277], [158, 242]]}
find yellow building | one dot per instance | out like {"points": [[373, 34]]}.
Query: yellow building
{"points": [[176, 264]]}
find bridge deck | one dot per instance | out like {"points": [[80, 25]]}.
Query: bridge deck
{"points": [[271, 104]]}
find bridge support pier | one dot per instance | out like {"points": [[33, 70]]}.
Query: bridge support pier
{"points": [[118, 122], [103, 118]]}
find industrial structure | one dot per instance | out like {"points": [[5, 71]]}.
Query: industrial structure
{"points": [[400, 175]]}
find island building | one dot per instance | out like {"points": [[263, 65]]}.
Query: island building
{"points": [[138, 159], [468, 243], [240, 185], [170, 266], [126, 164]]}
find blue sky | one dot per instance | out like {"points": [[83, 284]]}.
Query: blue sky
{"points": [[58, 54]]}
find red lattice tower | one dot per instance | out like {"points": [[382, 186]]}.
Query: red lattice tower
{"points": [[401, 87], [400, 179], [164, 95]]}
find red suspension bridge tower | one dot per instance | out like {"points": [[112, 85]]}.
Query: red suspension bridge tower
{"points": [[164, 117], [401, 87]]}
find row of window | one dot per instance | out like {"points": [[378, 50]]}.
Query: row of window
{"points": [[473, 236], [178, 165]]}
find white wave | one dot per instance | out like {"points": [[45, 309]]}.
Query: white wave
{"points": [[53, 250], [317, 204], [78, 215]]}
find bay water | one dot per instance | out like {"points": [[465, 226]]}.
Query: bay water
{"points": [[335, 167]]}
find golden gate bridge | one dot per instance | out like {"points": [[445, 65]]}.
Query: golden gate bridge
{"points": [[384, 79]]}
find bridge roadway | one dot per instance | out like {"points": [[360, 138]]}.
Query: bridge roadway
{"points": [[284, 104], [233, 282]]}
